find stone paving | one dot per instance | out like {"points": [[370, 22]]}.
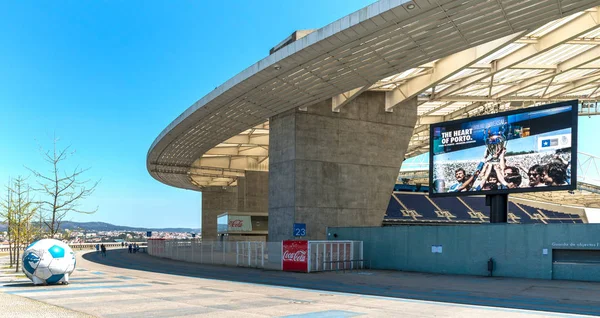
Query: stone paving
{"points": [[16, 306], [138, 285]]}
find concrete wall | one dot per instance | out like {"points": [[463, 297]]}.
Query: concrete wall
{"points": [[335, 169], [216, 200], [253, 192], [251, 195], [517, 249]]}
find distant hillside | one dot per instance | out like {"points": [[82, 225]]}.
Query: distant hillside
{"points": [[102, 226]]}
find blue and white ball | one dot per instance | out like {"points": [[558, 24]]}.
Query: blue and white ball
{"points": [[48, 262]]}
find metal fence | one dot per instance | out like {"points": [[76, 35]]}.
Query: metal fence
{"points": [[265, 255], [80, 246], [335, 256], [323, 255]]}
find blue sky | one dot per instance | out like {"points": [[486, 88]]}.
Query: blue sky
{"points": [[107, 76]]}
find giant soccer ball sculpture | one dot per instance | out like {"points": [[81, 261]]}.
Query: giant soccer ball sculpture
{"points": [[48, 262]]}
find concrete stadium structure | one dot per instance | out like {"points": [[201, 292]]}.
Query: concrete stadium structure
{"points": [[317, 131]]}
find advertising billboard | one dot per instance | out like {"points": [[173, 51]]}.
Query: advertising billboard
{"points": [[239, 223], [530, 149], [234, 223], [294, 256]]}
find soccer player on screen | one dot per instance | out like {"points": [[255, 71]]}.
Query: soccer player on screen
{"points": [[465, 182], [481, 181], [534, 176], [439, 185], [555, 174], [491, 183], [509, 179], [462, 181], [567, 165]]}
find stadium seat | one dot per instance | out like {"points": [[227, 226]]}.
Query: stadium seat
{"points": [[473, 210]]}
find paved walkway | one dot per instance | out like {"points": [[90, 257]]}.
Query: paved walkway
{"points": [[15, 306], [138, 285]]}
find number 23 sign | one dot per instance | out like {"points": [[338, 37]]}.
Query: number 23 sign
{"points": [[299, 229]]}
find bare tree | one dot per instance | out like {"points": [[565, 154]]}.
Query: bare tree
{"points": [[19, 209], [62, 191]]}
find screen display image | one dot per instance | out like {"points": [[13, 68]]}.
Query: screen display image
{"points": [[518, 151]]}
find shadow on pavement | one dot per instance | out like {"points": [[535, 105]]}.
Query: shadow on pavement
{"points": [[19, 285], [425, 287]]}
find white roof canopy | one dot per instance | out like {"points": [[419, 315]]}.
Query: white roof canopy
{"points": [[460, 58]]}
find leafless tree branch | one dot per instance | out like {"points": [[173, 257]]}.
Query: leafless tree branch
{"points": [[62, 191]]}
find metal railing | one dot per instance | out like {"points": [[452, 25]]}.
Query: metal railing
{"points": [[81, 246], [266, 255], [324, 254], [346, 265], [251, 254]]}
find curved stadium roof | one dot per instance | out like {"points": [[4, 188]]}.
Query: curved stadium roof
{"points": [[460, 58]]}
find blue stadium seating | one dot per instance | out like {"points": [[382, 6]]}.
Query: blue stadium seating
{"points": [[477, 204], [531, 210], [421, 204], [394, 209], [453, 206], [514, 209]]}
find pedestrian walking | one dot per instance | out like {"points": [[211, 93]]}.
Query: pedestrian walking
{"points": [[103, 248], [130, 248], [97, 248]]}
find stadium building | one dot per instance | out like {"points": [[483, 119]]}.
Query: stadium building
{"points": [[317, 131]]}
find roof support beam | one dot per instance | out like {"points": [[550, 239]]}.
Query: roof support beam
{"points": [[579, 60], [522, 66], [561, 35], [523, 85], [570, 64], [594, 91], [444, 69], [466, 82], [427, 120], [573, 85], [431, 111], [569, 31], [508, 98], [575, 41], [339, 101], [516, 66]]}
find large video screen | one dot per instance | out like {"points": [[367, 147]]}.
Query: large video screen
{"points": [[531, 149]]}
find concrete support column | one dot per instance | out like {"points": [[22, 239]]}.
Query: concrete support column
{"points": [[253, 192], [335, 169], [216, 200]]}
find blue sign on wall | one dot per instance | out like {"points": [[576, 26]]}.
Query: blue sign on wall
{"points": [[148, 233], [299, 229]]}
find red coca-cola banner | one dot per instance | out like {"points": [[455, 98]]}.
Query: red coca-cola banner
{"points": [[295, 256]]}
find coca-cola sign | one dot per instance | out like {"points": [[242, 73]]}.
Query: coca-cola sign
{"points": [[239, 223], [294, 256], [236, 223], [298, 256]]}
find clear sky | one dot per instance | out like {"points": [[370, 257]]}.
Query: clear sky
{"points": [[107, 76]]}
